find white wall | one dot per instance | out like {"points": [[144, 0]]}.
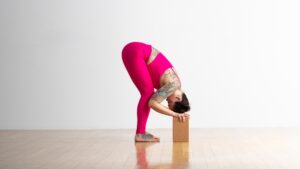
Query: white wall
{"points": [[61, 67]]}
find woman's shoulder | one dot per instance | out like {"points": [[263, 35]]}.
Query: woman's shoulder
{"points": [[170, 75]]}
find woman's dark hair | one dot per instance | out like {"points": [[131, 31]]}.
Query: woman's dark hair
{"points": [[182, 106]]}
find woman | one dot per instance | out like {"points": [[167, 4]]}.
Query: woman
{"points": [[148, 68]]}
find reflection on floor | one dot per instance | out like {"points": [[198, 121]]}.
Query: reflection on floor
{"points": [[259, 148], [180, 156]]}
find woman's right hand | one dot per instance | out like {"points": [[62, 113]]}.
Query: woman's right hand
{"points": [[182, 116]]}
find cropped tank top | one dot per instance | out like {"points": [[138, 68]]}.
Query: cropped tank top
{"points": [[157, 67]]}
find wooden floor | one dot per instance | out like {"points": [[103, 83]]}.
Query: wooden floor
{"points": [[269, 148]]}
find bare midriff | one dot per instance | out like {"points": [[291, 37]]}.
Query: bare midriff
{"points": [[154, 53]]}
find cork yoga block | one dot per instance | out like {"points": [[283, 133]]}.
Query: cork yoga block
{"points": [[180, 130]]}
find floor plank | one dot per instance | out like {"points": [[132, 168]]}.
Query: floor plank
{"points": [[208, 148]]}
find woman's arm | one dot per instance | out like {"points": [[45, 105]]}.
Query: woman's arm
{"points": [[162, 109], [161, 95]]}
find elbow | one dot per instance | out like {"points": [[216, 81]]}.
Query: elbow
{"points": [[151, 103]]}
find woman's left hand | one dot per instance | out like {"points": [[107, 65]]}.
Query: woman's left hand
{"points": [[182, 116]]}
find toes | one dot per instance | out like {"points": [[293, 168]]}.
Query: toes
{"points": [[152, 135], [156, 138]]}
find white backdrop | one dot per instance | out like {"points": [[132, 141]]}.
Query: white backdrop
{"points": [[61, 67]]}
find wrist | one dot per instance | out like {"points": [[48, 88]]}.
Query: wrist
{"points": [[174, 114]]}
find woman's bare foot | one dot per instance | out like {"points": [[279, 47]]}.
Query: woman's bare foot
{"points": [[153, 135], [147, 137]]}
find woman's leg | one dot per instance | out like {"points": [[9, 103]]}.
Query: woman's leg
{"points": [[134, 59]]}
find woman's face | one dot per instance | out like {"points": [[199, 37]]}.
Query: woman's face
{"points": [[174, 97]]}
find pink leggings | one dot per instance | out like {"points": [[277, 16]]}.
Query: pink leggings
{"points": [[135, 56]]}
